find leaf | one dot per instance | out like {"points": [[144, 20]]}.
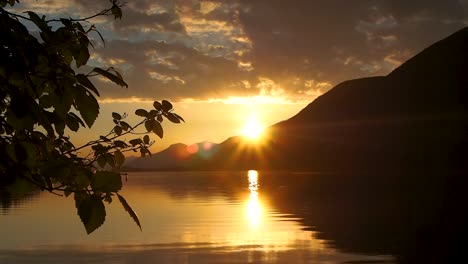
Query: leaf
{"points": [[87, 83], [59, 127], [77, 118], [40, 22], [66, 22], [157, 105], [32, 152], [141, 112], [105, 139], [99, 148], [118, 130], [87, 105], [146, 139], [111, 77], [81, 55], [63, 100], [67, 192], [149, 124], [26, 122], [45, 101], [91, 211], [72, 123], [108, 199], [82, 179], [125, 126], [116, 73], [157, 129], [172, 118], [100, 36], [116, 116], [79, 27], [152, 114], [20, 153], [143, 151], [119, 158], [21, 187], [116, 11], [129, 209], [110, 160], [135, 141], [166, 105], [120, 144], [102, 161], [178, 116], [106, 181]]}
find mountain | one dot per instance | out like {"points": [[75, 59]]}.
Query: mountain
{"points": [[176, 156], [415, 117]]}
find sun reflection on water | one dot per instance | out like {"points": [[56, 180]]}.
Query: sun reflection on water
{"points": [[254, 206]]}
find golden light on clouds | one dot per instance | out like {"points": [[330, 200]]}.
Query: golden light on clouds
{"points": [[245, 66], [253, 100], [208, 6]]}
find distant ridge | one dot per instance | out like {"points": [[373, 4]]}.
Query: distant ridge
{"points": [[175, 157]]}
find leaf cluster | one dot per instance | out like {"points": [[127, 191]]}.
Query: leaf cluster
{"points": [[46, 87]]}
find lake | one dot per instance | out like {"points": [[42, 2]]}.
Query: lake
{"points": [[195, 217]]}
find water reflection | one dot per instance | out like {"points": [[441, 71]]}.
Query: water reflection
{"points": [[15, 200], [191, 217], [254, 206]]}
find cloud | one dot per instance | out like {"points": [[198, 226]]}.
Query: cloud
{"points": [[141, 16], [162, 70], [296, 50], [304, 37], [141, 21]]}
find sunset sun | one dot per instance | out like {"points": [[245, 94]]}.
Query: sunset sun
{"points": [[252, 128]]}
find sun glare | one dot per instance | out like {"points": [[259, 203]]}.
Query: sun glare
{"points": [[252, 129], [254, 206]]}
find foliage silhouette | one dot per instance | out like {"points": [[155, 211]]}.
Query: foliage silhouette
{"points": [[43, 91]]}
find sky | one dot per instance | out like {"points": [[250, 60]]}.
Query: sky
{"points": [[222, 61]]}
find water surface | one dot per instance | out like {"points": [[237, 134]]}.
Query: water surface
{"points": [[187, 217]]}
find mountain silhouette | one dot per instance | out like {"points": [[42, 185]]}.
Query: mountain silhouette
{"points": [[414, 117], [176, 157]]}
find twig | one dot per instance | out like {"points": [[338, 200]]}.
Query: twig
{"points": [[15, 15]]}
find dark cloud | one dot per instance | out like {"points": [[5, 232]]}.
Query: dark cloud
{"points": [[138, 21], [161, 70], [139, 16], [315, 38], [218, 48]]}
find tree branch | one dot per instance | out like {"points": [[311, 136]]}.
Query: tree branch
{"points": [[14, 15], [105, 12], [112, 138]]}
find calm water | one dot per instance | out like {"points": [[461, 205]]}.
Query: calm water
{"points": [[189, 217]]}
